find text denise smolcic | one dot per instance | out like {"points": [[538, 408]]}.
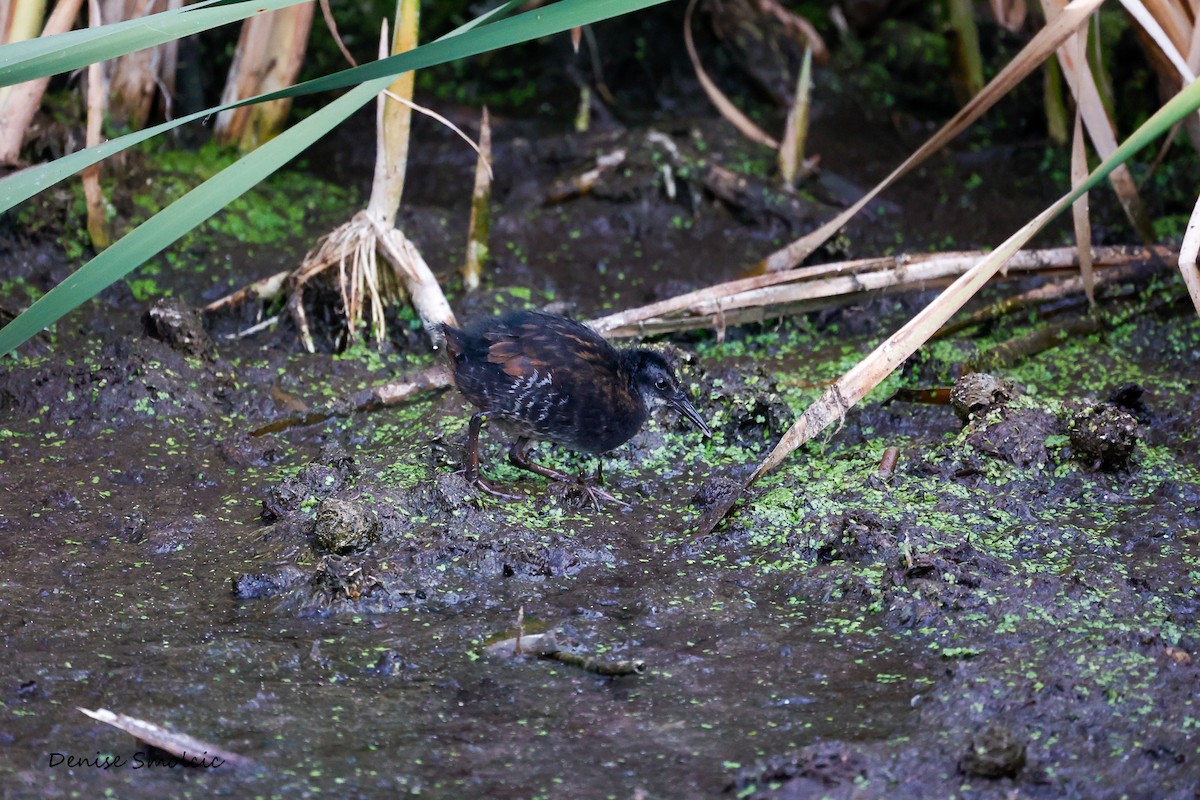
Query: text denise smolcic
{"points": [[139, 760]]}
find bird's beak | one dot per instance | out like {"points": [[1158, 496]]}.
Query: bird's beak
{"points": [[684, 406]]}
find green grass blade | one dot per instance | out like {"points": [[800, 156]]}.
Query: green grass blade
{"points": [[1174, 110], [20, 186], [63, 52], [564, 15], [51, 55], [484, 18], [166, 227], [183, 215]]}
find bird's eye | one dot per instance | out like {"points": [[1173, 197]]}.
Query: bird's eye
{"points": [[661, 384]]}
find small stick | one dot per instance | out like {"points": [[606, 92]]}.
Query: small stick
{"points": [[887, 464], [389, 394], [1013, 350], [599, 666], [267, 288], [1043, 294], [582, 184], [253, 329]]}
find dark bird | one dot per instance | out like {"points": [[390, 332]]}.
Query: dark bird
{"points": [[548, 378]]}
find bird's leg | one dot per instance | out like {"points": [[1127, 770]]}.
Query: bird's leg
{"points": [[470, 460], [518, 454]]}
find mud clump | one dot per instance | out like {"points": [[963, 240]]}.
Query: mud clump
{"points": [[1103, 435], [808, 772], [1015, 435], [977, 393], [1002, 424], [171, 321], [252, 586], [345, 526], [314, 481], [856, 536], [994, 752]]}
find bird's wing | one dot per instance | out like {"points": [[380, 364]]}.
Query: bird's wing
{"points": [[548, 345]]}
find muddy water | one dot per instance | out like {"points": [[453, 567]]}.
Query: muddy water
{"points": [[121, 547]]}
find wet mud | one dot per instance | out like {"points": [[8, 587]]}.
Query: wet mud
{"points": [[1009, 611]]}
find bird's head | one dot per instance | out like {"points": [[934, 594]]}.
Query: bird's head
{"points": [[655, 381]]}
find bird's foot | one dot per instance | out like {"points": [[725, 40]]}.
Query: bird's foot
{"points": [[477, 481], [584, 490]]}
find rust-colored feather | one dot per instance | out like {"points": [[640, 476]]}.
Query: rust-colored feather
{"points": [[515, 358], [538, 346]]}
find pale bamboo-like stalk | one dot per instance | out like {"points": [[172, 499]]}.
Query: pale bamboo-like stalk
{"points": [[795, 134], [481, 214], [19, 20], [423, 288], [763, 296], [16, 113], [97, 216], [1189, 257], [268, 57], [132, 78], [355, 246], [969, 60], [1079, 173], [395, 123]]}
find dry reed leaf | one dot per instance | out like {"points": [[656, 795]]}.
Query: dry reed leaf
{"points": [[868, 373], [1167, 24], [723, 104], [436, 117], [331, 24], [1193, 49], [798, 27], [1079, 211], [1099, 127], [1034, 53], [1009, 14], [1163, 21]]}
